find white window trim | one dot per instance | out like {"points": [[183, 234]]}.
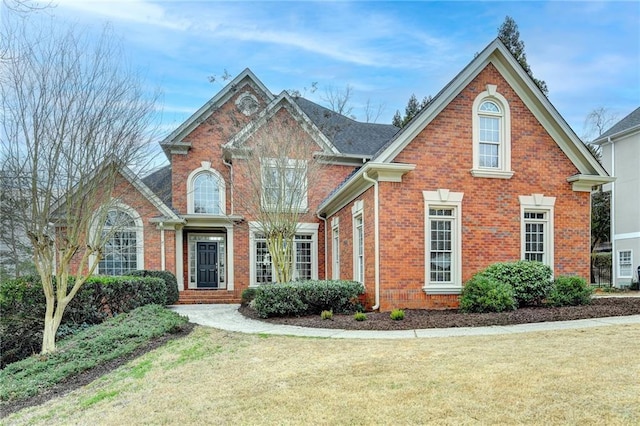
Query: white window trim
{"points": [[357, 211], [302, 229], [538, 203], [95, 226], [443, 198], [335, 248], [206, 168], [504, 152], [293, 164], [619, 274]]}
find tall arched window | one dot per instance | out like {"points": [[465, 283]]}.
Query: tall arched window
{"points": [[490, 117], [491, 135], [206, 194], [205, 191], [122, 252]]}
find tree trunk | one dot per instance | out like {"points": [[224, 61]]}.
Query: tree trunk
{"points": [[52, 320]]}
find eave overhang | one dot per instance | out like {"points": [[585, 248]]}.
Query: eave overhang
{"points": [[357, 184], [585, 183]]}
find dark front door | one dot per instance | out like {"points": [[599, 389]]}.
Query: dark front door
{"points": [[208, 265]]}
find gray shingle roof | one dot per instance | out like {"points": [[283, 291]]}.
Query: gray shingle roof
{"points": [[160, 183], [631, 120], [349, 136]]}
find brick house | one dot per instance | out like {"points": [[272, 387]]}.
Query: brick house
{"points": [[487, 172]]}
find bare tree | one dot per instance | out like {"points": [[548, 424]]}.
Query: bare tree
{"points": [[596, 122], [372, 113], [339, 100], [72, 118], [275, 160]]}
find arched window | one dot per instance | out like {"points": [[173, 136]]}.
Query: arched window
{"points": [[205, 191], [490, 117], [491, 135], [122, 252]]}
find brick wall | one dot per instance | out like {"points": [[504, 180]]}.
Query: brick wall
{"points": [[490, 208]]}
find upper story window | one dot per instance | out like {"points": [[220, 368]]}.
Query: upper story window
{"points": [[205, 191], [491, 135], [284, 185]]}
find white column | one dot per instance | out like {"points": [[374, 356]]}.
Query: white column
{"points": [[179, 259]]}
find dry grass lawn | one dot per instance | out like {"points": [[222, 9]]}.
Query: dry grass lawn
{"points": [[588, 376]]}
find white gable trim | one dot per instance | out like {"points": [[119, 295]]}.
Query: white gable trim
{"points": [[220, 98], [497, 54], [148, 194], [282, 101]]}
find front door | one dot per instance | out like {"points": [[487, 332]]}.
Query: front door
{"points": [[207, 264]]}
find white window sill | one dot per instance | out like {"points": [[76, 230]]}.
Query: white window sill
{"points": [[489, 173], [442, 289]]}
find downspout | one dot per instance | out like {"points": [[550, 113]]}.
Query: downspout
{"points": [[376, 239], [230, 165], [612, 231], [326, 270], [162, 253]]}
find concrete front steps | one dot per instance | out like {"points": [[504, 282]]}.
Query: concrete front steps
{"points": [[207, 296]]}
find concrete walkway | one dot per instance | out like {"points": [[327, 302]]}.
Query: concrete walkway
{"points": [[227, 317]]}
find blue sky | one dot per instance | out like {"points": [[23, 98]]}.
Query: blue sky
{"points": [[587, 52]]}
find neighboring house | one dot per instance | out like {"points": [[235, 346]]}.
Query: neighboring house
{"points": [[621, 158], [487, 172]]}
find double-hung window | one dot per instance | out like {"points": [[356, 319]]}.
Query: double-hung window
{"points": [[536, 224], [284, 185], [357, 213], [443, 242], [535, 231], [625, 264], [335, 248], [491, 135]]}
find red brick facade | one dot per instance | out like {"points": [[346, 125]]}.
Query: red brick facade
{"points": [[441, 157]]}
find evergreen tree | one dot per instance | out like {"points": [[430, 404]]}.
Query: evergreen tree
{"points": [[412, 109], [509, 35]]}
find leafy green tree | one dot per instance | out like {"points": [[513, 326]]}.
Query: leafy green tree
{"points": [[509, 34]]}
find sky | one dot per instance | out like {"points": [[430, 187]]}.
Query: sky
{"points": [[587, 52]]}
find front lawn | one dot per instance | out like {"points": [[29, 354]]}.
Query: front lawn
{"points": [[585, 376]]}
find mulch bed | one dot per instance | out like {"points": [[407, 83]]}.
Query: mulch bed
{"points": [[420, 319]]}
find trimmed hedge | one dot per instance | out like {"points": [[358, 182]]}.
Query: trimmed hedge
{"points": [[569, 291], [22, 304], [306, 298], [531, 281], [486, 294], [169, 280]]}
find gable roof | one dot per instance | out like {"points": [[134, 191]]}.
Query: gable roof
{"points": [[159, 182], [246, 77], [349, 136], [285, 101], [497, 54], [627, 125]]}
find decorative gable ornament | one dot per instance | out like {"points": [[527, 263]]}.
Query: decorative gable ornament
{"points": [[247, 103]]}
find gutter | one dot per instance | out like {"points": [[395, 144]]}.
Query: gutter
{"points": [[376, 238]]}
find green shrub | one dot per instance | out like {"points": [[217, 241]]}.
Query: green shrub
{"points": [[306, 298], [326, 315], [397, 315], [360, 316], [248, 294], [486, 294], [169, 279], [92, 346], [531, 281], [22, 304], [569, 291]]}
